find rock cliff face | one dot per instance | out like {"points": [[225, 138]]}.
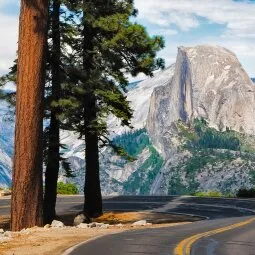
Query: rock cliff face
{"points": [[209, 82], [178, 139]]}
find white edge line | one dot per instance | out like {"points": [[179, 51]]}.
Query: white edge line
{"points": [[71, 249]]}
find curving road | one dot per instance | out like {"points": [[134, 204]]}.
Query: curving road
{"points": [[229, 227], [228, 230]]}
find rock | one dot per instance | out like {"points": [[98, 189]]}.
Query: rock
{"points": [[140, 223], [83, 225], [99, 224], [119, 225], [81, 218], [7, 234], [47, 226], [209, 82], [5, 193], [1, 231], [92, 225], [104, 226], [57, 224], [26, 231]]}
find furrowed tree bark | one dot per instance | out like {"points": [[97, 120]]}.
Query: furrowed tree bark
{"points": [[52, 168], [92, 190], [27, 192]]}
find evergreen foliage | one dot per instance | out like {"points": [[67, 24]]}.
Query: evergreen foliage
{"points": [[132, 142], [201, 136]]}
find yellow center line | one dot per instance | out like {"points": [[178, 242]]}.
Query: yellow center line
{"points": [[184, 247]]}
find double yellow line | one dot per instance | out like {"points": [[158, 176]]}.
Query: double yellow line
{"points": [[184, 247]]}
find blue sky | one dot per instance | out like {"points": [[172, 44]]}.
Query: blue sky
{"points": [[227, 23]]}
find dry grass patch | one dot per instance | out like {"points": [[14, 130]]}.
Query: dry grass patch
{"points": [[155, 218]]}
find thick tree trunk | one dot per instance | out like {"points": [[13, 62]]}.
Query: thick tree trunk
{"points": [[92, 190], [52, 168], [27, 193]]}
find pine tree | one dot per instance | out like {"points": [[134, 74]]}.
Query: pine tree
{"points": [[60, 34], [112, 46], [27, 194], [53, 153]]}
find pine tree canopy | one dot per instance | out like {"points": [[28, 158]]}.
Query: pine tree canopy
{"points": [[110, 47]]}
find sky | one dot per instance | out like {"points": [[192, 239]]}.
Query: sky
{"points": [[228, 23]]}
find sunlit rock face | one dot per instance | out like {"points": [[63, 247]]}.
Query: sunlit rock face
{"points": [[206, 82], [209, 82]]}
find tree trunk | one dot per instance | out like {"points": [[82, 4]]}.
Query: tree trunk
{"points": [[27, 193], [92, 190], [52, 168]]}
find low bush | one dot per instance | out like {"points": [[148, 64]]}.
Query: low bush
{"points": [[208, 194], [247, 193], [67, 189]]}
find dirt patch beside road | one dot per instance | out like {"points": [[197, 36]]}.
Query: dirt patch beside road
{"points": [[56, 241]]}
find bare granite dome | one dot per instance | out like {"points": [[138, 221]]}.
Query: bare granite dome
{"points": [[209, 82]]}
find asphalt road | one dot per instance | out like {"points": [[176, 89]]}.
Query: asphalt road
{"points": [[228, 230]]}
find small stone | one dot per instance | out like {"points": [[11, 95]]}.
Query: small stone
{"points": [[7, 234], [57, 224], [79, 219], [82, 225], [47, 226], [140, 223], [104, 226], [120, 225], [99, 224], [26, 231], [92, 225], [1, 231]]}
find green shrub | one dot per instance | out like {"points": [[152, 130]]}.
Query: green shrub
{"points": [[247, 193], [67, 189], [208, 194]]}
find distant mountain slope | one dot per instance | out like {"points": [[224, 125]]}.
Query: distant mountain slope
{"points": [[193, 131], [6, 145]]}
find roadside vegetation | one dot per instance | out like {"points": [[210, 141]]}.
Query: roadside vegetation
{"points": [[67, 189], [246, 193]]}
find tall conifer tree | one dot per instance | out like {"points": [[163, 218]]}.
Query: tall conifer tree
{"points": [[27, 193], [53, 150], [110, 47]]}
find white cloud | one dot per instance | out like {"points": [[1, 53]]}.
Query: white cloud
{"points": [[237, 16], [9, 38]]}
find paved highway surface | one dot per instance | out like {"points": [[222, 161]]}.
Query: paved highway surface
{"points": [[228, 230]]}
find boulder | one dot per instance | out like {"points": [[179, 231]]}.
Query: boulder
{"points": [[140, 223], [83, 225], [92, 225], [81, 218], [57, 224]]}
